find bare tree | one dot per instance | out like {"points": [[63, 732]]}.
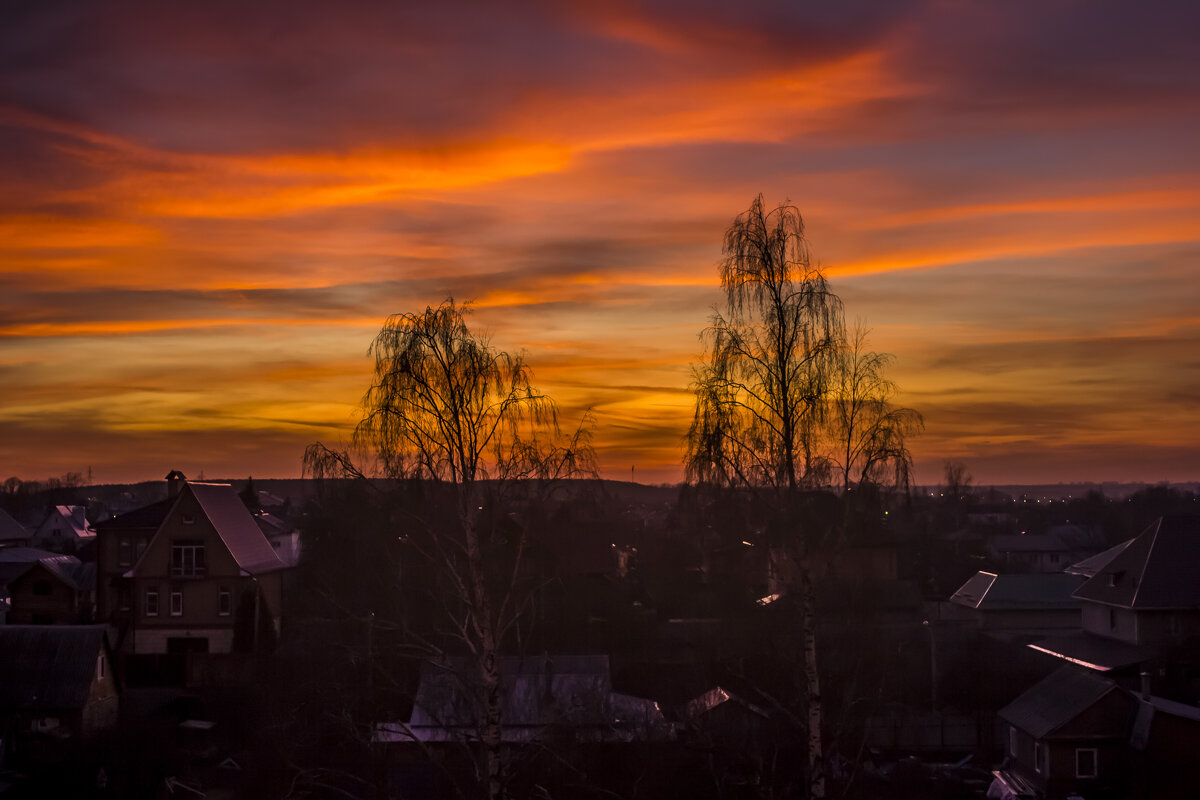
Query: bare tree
{"points": [[869, 435], [762, 394], [447, 408]]}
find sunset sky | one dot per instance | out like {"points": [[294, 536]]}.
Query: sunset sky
{"points": [[208, 209]]}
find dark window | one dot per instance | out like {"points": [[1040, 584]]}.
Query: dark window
{"points": [[224, 601], [123, 598], [1085, 762], [187, 559], [1112, 619], [152, 602], [42, 587], [124, 552], [176, 604]]}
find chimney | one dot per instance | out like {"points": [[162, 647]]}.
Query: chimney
{"points": [[175, 479]]}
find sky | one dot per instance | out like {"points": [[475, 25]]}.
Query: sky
{"points": [[207, 211]]}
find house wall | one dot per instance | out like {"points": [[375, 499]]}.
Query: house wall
{"points": [[1112, 766], [201, 595], [29, 608], [1110, 622], [153, 641], [1164, 627]]}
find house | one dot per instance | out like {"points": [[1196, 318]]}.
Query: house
{"points": [[14, 562], [56, 686], [120, 542], [64, 530], [548, 695], [12, 533], [1067, 735], [208, 581], [58, 590], [1139, 604], [1016, 605], [1051, 551]]}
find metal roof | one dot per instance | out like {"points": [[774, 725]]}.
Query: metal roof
{"points": [[48, 666], [236, 527], [1094, 652], [1056, 700], [1159, 569], [1090, 566], [988, 591]]}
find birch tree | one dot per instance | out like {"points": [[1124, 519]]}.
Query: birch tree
{"points": [[762, 395], [447, 408]]}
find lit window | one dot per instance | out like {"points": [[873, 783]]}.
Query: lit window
{"points": [[151, 602], [176, 604], [224, 601], [1085, 762], [187, 559]]}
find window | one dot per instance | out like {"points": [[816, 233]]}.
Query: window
{"points": [[224, 601], [1012, 741], [1085, 762], [176, 604], [1112, 619], [123, 598], [1039, 757], [42, 587], [187, 559], [100, 667], [152, 602], [189, 519], [124, 552]]}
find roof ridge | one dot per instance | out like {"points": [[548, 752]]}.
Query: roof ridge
{"points": [[1141, 578]]}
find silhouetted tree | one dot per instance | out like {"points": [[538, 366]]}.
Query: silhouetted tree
{"points": [[447, 408], [762, 395], [869, 435]]}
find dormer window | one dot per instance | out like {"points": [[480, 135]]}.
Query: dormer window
{"points": [[1114, 578]]}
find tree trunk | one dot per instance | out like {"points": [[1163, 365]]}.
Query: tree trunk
{"points": [[489, 662], [808, 624]]}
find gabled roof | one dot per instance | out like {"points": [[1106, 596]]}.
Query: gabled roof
{"points": [[237, 529], [1090, 566], [147, 517], [1095, 652], [574, 691], [70, 570], [76, 517], [1056, 700], [988, 591], [10, 529], [48, 666], [1158, 569]]}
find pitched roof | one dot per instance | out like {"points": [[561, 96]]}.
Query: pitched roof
{"points": [[1056, 700], [70, 570], [76, 517], [1094, 652], [1090, 566], [237, 529], [539, 691], [148, 517], [988, 591], [1157, 570], [48, 666], [10, 529]]}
